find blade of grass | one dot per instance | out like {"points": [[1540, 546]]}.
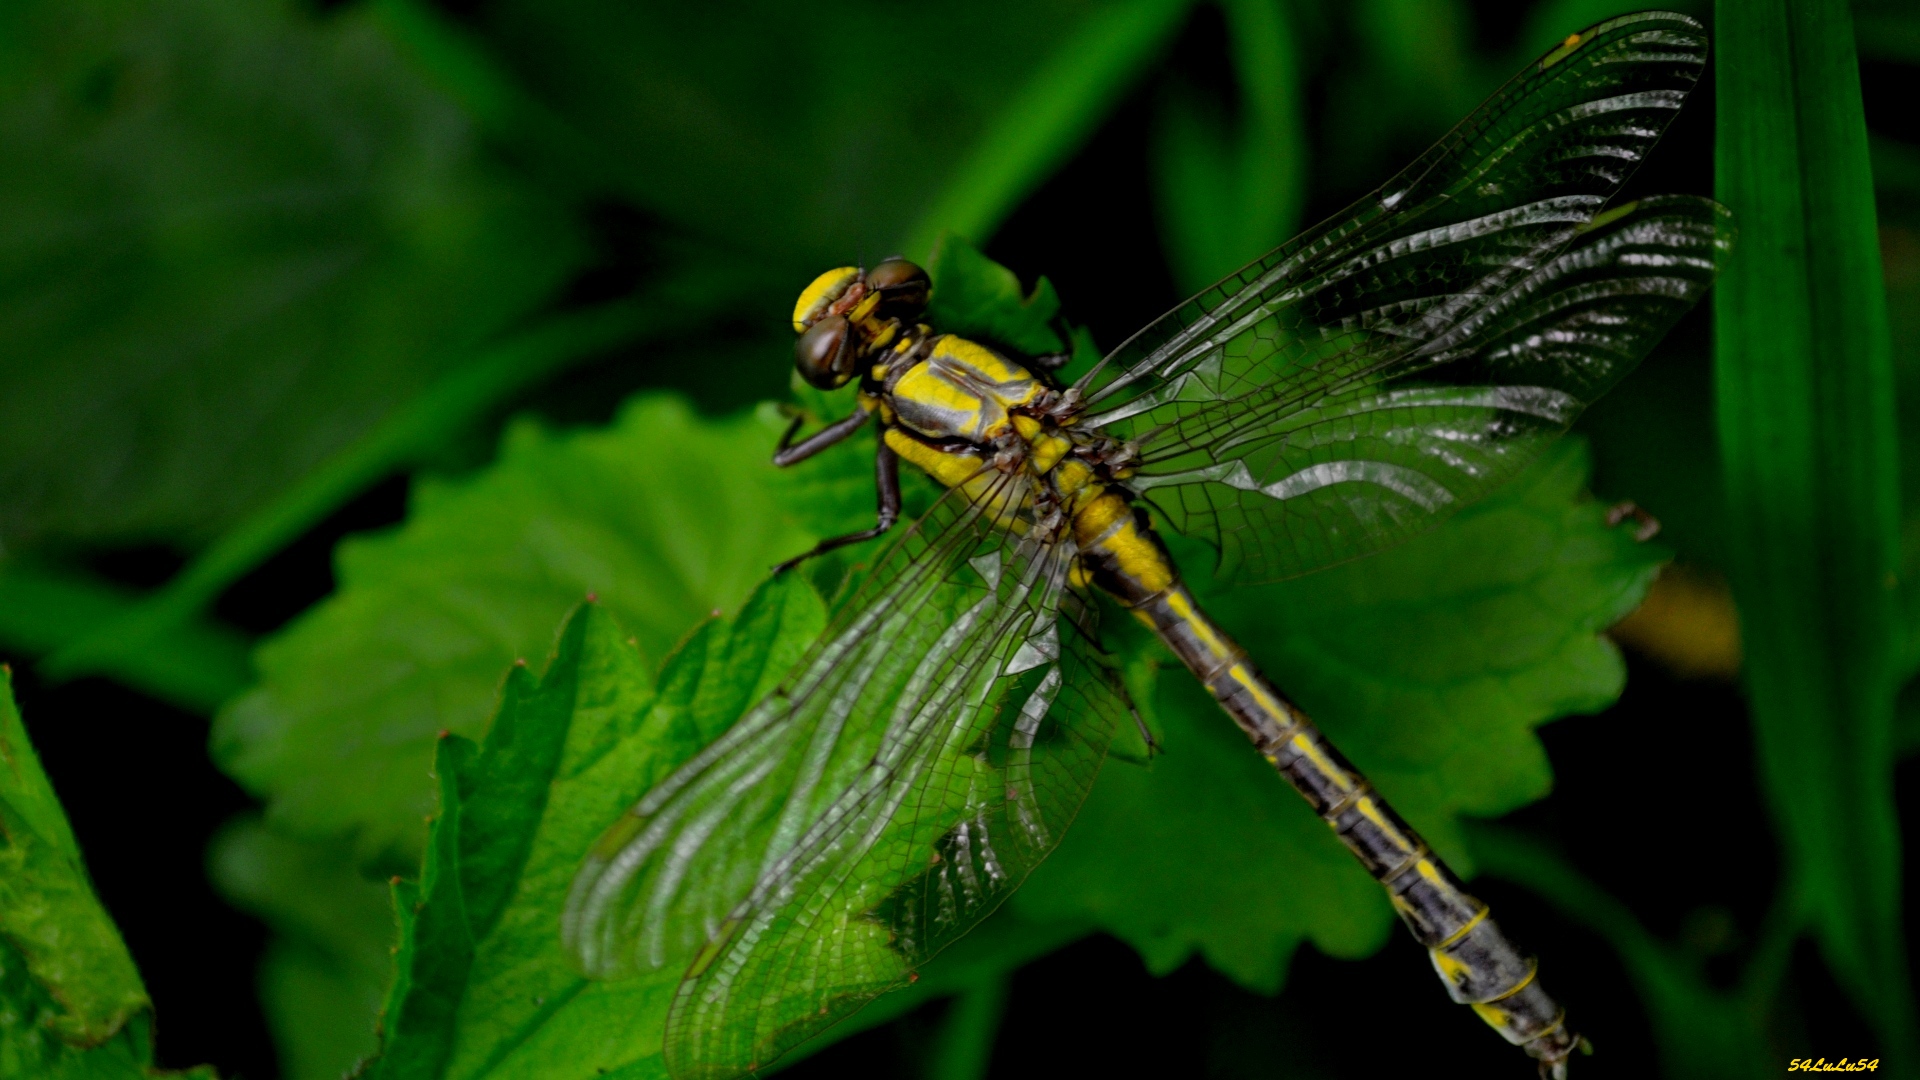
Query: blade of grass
{"points": [[456, 401], [1805, 395], [1047, 121]]}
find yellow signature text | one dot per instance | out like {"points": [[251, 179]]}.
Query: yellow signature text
{"points": [[1843, 1065]]}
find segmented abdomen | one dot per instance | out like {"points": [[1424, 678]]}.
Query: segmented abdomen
{"points": [[1479, 965]]}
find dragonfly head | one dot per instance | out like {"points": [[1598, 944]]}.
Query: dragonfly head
{"points": [[846, 312]]}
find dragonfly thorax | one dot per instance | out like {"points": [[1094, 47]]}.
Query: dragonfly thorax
{"points": [[961, 390]]}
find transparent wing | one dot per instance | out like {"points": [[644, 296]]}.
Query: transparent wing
{"points": [[926, 754], [1398, 283], [1332, 460]]}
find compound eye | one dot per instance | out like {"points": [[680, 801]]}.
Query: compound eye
{"points": [[824, 353], [903, 288]]}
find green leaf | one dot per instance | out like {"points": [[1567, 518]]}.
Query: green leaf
{"points": [[71, 1003], [1429, 665], [238, 237], [486, 992], [975, 297], [49, 916], [485, 988], [1805, 396], [664, 517]]}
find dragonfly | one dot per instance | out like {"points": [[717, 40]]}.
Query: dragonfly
{"points": [[1346, 391]]}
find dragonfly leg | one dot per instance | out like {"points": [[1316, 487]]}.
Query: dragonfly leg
{"points": [[886, 477], [1645, 525], [787, 453]]}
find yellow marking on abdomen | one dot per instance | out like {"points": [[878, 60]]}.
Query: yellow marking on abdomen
{"points": [[1467, 928], [1309, 749], [1047, 452], [1106, 525], [1071, 479], [1182, 608], [1257, 687], [1370, 809], [1450, 967]]}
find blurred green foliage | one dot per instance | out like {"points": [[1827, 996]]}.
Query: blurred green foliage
{"points": [[234, 241], [255, 258], [329, 963]]}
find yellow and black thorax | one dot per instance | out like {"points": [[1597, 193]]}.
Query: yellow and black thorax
{"points": [[963, 413]]}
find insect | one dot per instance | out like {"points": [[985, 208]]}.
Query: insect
{"points": [[1346, 391]]}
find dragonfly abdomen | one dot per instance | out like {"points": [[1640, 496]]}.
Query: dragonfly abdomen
{"points": [[1480, 965]]}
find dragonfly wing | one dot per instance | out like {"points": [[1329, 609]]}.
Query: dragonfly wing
{"points": [[927, 753], [1268, 388], [1569, 129], [1354, 453]]}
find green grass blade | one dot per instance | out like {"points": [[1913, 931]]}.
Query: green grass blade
{"points": [[1805, 394], [1048, 120]]}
